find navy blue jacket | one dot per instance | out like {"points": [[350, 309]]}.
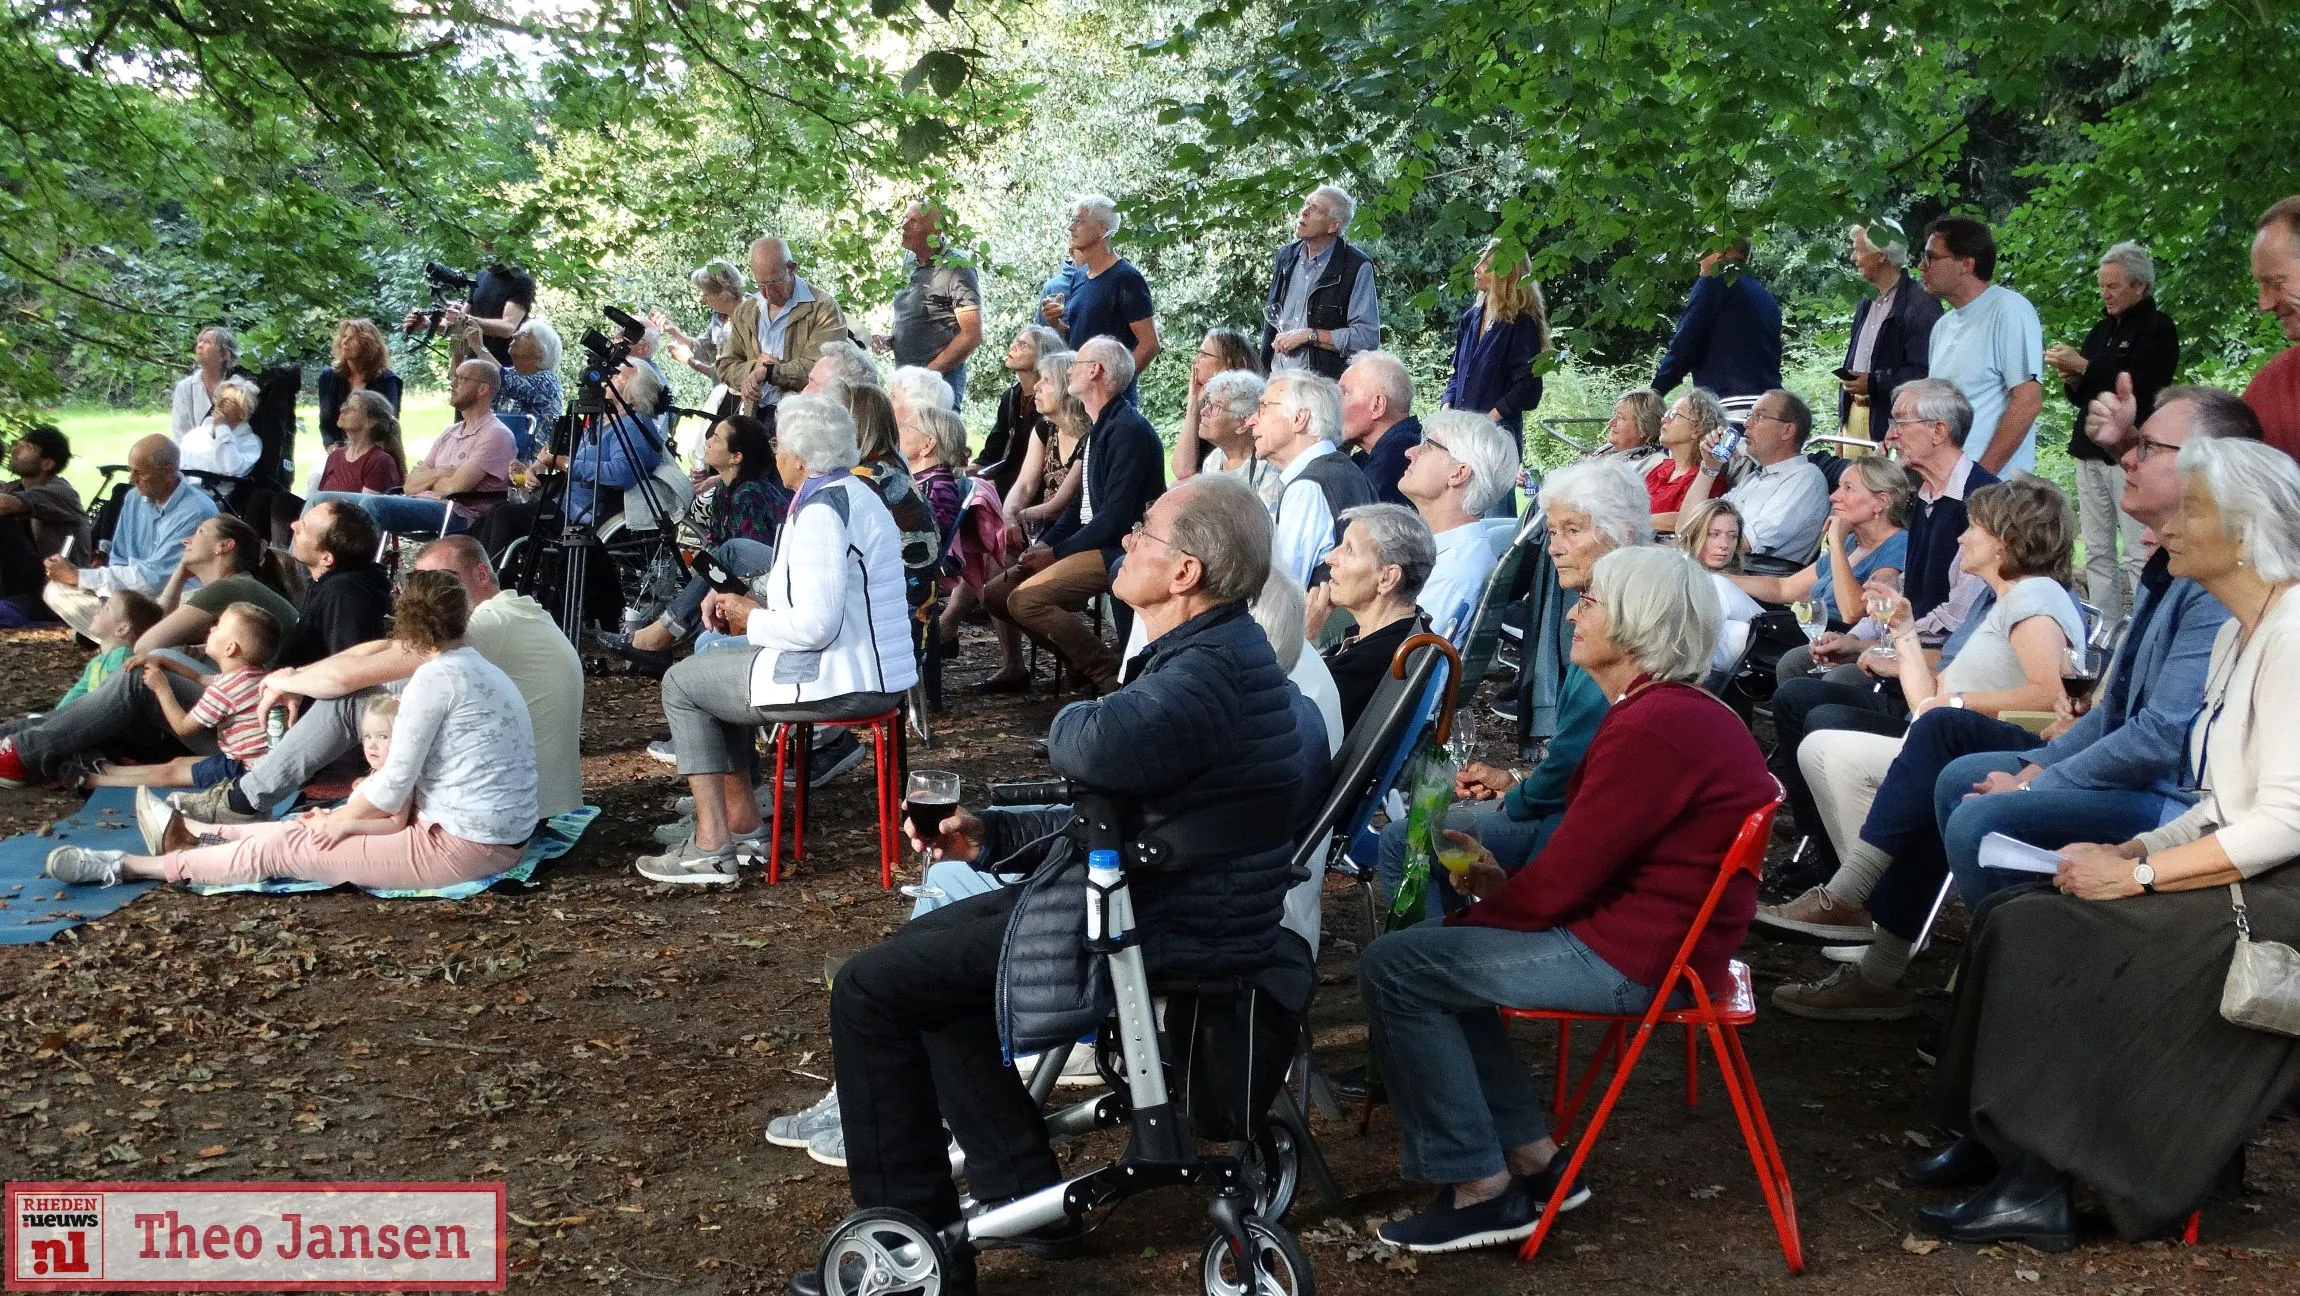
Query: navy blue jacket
{"points": [[1493, 368], [1125, 473], [1902, 353], [2133, 738], [1205, 727], [1729, 338], [1386, 462]]}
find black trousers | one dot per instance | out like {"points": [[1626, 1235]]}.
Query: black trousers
{"points": [[21, 575], [1801, 706], [914, 1036]]}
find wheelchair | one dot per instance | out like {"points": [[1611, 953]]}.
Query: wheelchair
{"points": [[881, 1251]]}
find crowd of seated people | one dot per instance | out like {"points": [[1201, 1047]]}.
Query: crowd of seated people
{"points": [[1948, 698]]}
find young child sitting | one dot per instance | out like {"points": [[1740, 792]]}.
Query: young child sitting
{"points": [[165, 829], [123, 619], [241, 641]]}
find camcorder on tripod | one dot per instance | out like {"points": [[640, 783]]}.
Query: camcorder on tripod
{"points": [[552, 563]]}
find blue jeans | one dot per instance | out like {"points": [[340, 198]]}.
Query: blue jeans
{"points": [[959, 881], [1512, 841], [745, 558], [407, 514], [2050, 819], [1430, 994], [1903, 820]]}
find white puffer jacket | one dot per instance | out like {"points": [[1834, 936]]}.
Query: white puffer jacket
{"points": [[835, 621]]}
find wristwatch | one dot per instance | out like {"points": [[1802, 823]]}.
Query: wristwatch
{"points": [[2145, 874]]}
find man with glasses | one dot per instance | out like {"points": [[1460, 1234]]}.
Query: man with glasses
{"points": [[1990, 344], [1784, 502], [1297, 427], [1463, 464], [777, 334]]}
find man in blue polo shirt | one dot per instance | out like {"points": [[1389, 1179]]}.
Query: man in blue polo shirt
{"points": [[1990, 344]]}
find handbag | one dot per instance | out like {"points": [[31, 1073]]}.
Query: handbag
{"points": [[2263, 987]]}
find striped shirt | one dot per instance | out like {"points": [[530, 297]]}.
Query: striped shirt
{"points": [[229, 708]]}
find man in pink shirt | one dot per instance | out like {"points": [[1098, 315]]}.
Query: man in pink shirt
{"points": [[474, 454]]}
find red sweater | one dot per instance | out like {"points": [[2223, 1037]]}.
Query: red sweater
{"points": [[1650, 813], [2275, 396]]}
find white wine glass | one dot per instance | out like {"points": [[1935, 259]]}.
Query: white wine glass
{"points": [[1883, 593]]}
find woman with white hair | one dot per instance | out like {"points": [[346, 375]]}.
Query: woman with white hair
{"points": [[934, 445], [1226, 407], [1892, 336], [216, 354], [2134, 339], [719, 287], [2091, 1040], [1589, 924], [831, 640], [530, 382], [1374, 574], [223, 443]]}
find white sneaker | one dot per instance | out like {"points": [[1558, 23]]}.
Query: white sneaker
{"points": [[661, 750], [829, 1147], [85, 865], [671, 834], [687, 864], [1843, 953], [762, 796], [799, 1129], [154, 817]]}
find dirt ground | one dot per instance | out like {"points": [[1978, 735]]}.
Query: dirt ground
{"points": [[612, 1051]]}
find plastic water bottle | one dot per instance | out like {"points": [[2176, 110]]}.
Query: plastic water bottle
{"points": [[1102, 874]]}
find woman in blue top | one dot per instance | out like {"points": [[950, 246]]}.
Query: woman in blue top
{"points": [[1501, 335], [1867, 512]]}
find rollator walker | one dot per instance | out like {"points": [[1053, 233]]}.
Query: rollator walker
{"points": [[881, 1251]]}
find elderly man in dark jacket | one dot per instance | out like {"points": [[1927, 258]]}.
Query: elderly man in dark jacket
{"points": [[1201, 748], [1892, 336]]}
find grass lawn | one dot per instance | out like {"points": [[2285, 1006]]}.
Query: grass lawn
{"points": [[101, 435]]}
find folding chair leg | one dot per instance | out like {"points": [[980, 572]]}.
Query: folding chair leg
{"points": [[1588, 1140], [1764, 1151], [1925, 933]]}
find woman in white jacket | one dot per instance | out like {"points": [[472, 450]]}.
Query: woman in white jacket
{"points": [[831, 640]]}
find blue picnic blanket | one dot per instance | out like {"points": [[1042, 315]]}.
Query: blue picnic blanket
{"points": [[34, 908], [554, 838]]}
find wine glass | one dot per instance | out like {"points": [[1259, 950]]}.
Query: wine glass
{"points": [[1883, 593], [2077, 677], [1812, 618], [931, 797]]}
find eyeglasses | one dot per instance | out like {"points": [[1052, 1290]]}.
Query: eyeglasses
{"points": [[2149, 445], [1907, 422], [1589, 601], [1429, 440], [1928, 256], [1142, 531]]}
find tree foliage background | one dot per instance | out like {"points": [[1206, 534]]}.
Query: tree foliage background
{"points": [[278, 165]]}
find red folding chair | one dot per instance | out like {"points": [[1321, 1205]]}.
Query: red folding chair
{"points": [[1721, 1015]]}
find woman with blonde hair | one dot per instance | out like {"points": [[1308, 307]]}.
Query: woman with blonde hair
{"points": [[1501, 337], [359, 361]]}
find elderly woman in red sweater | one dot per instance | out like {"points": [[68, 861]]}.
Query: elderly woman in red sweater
{"points": [[1589, 924]]}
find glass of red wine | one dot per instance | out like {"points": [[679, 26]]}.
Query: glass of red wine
{"points": [[931, 798], [2077, 677]]}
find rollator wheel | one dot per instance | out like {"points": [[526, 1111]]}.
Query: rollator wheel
{"points": [[883, 1252], [1273, 1167], [1275, 1265]]}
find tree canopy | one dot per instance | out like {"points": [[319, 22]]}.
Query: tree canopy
{"points": [[275, 166]]}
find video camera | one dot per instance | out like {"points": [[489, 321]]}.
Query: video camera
{"points": [[441, 278], [604, 355]]}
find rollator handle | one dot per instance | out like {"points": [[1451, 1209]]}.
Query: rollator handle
{"points": [[1024, 792]]}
